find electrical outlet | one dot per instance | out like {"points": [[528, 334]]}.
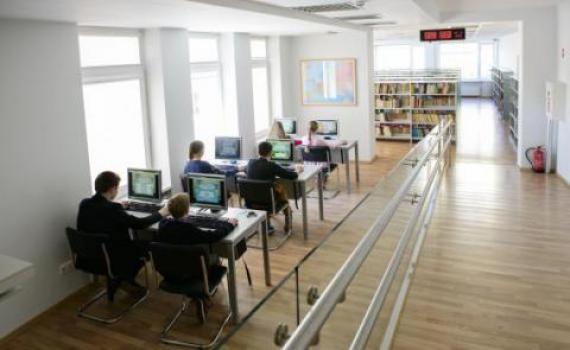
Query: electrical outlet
{"points": [[66, 267]]}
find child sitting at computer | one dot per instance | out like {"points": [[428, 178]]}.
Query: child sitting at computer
{"points": [[183, 229], [195, 163], [277, 132], [313, 139]]}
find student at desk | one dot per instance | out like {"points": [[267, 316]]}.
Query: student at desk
{"points": [[312, 139], [197, 165], [100, 215], [277, 132], [263, 168]]}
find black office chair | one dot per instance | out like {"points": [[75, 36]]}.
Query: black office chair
{"points": [[260, 195], [322, 155], [185, 271], [90, 254]]}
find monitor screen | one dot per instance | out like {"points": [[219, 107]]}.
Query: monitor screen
{"points": [[282, 150], [289, 126], [144, 184], [207, 191], [328, 127], [228, 147]]}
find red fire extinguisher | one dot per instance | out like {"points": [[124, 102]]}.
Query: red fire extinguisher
{"points": [[536, 159]]}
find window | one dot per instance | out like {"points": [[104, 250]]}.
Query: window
{"points": [[487, 60], [399, 57], [207, 98], [464, 56], [261, 84], [114, 101]]}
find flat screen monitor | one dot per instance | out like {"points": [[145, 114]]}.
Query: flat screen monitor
{"points": [[283, 150], [208, 191], [289, 126], [327, 127], [228, 147], [145, 184]]}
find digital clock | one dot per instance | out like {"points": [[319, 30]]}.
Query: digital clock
{"points": [[442, 34]]}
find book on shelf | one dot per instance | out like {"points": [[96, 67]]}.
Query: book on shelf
{"points": [[392, 88], [392, 101], [431, 118], [432, 101], [434, 88], [392, 116]]}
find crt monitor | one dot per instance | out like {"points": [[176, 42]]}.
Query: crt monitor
{"points": [[283, 150], [208, 191], [228, 147], [145, 184], [327, 127], [289, 126]]}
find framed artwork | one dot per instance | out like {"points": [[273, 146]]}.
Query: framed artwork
{"points": [[329, 82]]}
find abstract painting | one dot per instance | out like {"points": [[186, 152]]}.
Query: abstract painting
{"points": [[329, 81]]}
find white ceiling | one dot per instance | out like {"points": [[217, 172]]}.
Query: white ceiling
{"points": [[198, 15], [475, 5]]}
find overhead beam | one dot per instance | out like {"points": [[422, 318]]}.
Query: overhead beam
{"points": [[429, 8], [269, 9]]}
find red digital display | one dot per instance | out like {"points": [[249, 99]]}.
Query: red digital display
{"points": [[442, 34]]}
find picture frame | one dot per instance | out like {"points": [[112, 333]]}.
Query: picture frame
{"points": [[328, 82]]}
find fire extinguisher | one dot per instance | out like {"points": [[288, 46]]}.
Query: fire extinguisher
{"points": [[536, 159]]}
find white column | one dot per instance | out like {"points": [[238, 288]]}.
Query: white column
{"points": [[170, 101]]}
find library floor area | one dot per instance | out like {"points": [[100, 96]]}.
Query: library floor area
{"points": [[493, 273]]}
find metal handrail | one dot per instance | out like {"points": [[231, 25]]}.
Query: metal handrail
{"points": [[373, 311], [309, 328]]}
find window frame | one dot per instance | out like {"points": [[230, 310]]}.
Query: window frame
{"points": [[479, 77], [410, 48], [263, 63], [117, 73], [209, 66]]}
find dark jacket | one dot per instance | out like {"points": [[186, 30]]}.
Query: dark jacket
{"points": [[192, 231], [99, 215], [263, 169]]}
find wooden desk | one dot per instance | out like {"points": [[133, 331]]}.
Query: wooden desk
{"points": [[13, 272], [225, 248]]}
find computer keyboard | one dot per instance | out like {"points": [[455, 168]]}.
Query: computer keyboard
{"points": [[227, 167], [143, 207]]}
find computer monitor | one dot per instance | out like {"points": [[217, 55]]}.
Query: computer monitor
{"points": [[145, 184], [228, 148], [327, 127], [289, 126], [207, 191], [283, 150]]}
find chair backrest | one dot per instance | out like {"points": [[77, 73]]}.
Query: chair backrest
{"points": [[316, 154], [177, 262], [184, 182], [89, 247], [258, 194]]}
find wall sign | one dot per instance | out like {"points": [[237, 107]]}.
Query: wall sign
{"points": [[442, 34]]}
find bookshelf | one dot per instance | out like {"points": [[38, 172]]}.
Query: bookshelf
{"points": [[505, 94], [408, 104]]}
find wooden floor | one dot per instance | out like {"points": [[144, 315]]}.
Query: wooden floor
{"points": [[59, 328], [494, 272]]}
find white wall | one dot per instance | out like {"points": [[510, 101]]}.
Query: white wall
{"points": [[356, 122], [43, 151], [509, 51], [170, 101], [563, 160]]}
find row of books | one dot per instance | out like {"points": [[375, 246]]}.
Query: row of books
{"points": [[392, 117], [420, 132], [431, 118], [432, 101], [392, 101], [434, 88], [391, 131], [392, 88]]}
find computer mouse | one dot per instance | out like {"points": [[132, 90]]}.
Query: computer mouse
{"points": [[251, 214]]}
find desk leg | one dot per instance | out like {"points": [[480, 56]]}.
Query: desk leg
{"points": [[347, 170], [232, 289], [265, 246], [320, 182], [305, 215], [357, 162]]}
